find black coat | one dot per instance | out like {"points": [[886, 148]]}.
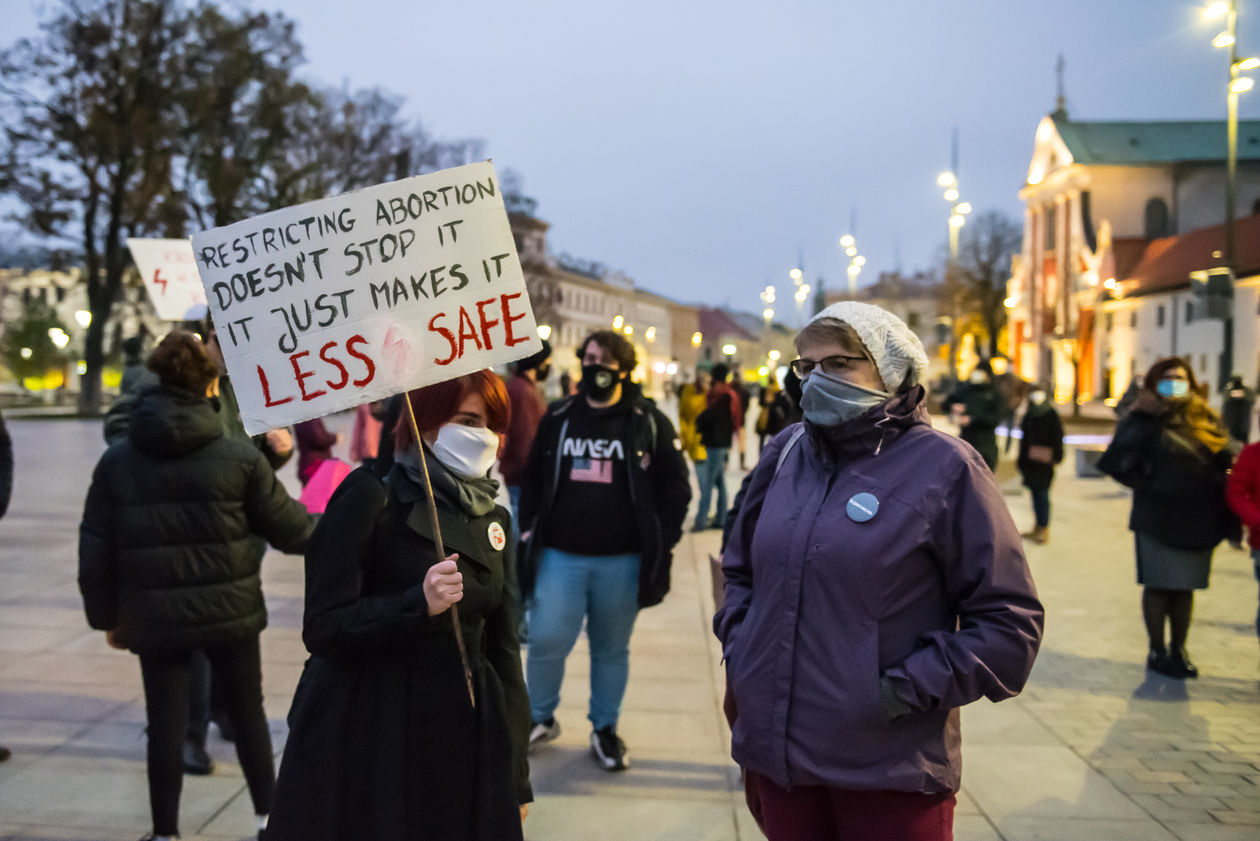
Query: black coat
{"points": [[169, 554], [1041, 427], [1178, 484], [659, 486], [383, 742]]}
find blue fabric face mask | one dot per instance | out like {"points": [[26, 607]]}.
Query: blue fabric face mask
{"points": [[1172, 388], [830, 401]]}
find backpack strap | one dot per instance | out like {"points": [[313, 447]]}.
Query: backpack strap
{"points": [[787, 448]]}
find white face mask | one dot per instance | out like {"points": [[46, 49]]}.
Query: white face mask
{"points": [[1037, 397], [466, 451], [978, 377]]}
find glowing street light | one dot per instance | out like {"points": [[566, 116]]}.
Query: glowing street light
{"points": [[1216, 10], [946, 179], [728, 349], [84, 318], [650, 334], [1225, 39], [851, 251], [957, 220], [628, 330], [696, 338], [58, 337], [544, 331], [951, 194], [26, 353], [963, 207], [768, 313], [1242, 84], [1248, 63], [859, 260], [796, 275], [774, 356], [847, 241]]}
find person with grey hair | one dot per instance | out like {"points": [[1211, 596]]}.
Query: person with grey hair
{"points": [[874, 583]]}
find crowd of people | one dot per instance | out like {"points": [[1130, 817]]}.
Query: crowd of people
{"points": [[417, 710]]}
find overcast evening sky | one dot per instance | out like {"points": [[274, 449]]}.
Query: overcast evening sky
{"points": [[700, 146]]}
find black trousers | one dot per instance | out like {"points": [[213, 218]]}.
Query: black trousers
{"points": [[167, 685]]}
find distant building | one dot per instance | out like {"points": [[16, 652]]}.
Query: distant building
{"points": [[916, 300], [1097, 196], [1150, 314]]}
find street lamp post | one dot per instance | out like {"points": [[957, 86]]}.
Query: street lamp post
{"points": [[1238, 84], [958, 211]]}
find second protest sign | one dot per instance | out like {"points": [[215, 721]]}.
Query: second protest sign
{"points": [[326, 305]]}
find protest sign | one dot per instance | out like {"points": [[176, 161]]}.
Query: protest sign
{"points": [[326, 305], [169, 272]]}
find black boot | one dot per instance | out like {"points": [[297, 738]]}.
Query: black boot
{"points": [[196, 761], [1180, 661], [1160, 663]]}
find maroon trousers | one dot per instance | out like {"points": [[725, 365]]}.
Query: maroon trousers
{"points": [[818, 813]]}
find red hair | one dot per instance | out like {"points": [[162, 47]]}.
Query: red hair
{"points": [[436, 404]]}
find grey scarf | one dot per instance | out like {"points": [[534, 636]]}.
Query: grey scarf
{"points": [[475, 497]]}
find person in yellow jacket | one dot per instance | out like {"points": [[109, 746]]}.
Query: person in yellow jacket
{"points": [[692, 400]]}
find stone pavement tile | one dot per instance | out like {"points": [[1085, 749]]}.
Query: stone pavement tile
{"points": [[1040, 781], [1045, 828], [67, 668], [1004, 723], [1250, 818], [965, 804], [44, 701], [974, 828], [44, 832], [670, 694], [1157, 807], [642, 818], [1188, 831]]}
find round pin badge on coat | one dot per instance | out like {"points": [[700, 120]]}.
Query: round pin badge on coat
{"points": [[497, 538], [862, 507]]}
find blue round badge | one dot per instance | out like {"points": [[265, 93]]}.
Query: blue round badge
{"points": [[862, 507]]}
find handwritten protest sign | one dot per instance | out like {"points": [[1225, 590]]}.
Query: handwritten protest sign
{"points": [[326, 305], [169, 272]]}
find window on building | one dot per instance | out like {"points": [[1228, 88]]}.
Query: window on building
{"points": [[1133, 319], [1159, 316], [1157, 219], [1111, 321], [1050, 227], [61, 295], [1255, 208], [912, 320], [1203, 363]]}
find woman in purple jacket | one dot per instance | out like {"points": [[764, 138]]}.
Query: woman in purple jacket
{"points": [[875, 583]]}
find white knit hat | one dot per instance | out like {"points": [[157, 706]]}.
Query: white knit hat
{"points": [[894, 346]]}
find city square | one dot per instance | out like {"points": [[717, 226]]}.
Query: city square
{"points": [[800, 422]]}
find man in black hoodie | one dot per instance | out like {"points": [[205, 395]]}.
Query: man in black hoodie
{"points": [[603, 498]]}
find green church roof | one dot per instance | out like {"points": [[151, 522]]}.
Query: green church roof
{"points": [[1155, 143]]}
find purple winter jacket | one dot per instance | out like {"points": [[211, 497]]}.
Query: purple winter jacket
{"points": [[850, 645]]}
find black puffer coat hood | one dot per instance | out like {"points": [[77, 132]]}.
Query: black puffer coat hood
{"points": [[169, 553], [169, 422]]}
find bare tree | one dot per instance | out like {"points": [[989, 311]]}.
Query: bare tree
{"points": [[984, 260], [90, 141]]}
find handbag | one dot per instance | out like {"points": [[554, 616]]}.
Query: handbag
{"points": [[324, 481], [1041, 453]]}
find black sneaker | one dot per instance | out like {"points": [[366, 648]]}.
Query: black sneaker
{"points": [[196, 761], [610, 751], [543, 732]]}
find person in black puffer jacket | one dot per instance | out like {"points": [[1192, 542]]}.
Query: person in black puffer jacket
{"points": [[168, 564]]}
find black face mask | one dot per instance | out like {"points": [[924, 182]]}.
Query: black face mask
{"points": [[541, 373], [599, 382]]}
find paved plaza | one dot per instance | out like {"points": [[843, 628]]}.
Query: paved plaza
{"points": [[1095, 748]]}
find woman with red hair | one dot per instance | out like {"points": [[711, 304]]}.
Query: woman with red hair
{"points": [[383, 742]]}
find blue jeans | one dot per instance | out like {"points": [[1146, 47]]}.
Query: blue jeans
{"points": [[1041, 506], [711, 473], [603, 590], [1255, 558]]}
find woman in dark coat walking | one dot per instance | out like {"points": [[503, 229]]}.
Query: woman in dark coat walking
{"points": [[168, 564], [383, 741], [1173, 451], [1040, 449]]}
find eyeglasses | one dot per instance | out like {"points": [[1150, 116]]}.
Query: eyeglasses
{"points": [[834, 366]]}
